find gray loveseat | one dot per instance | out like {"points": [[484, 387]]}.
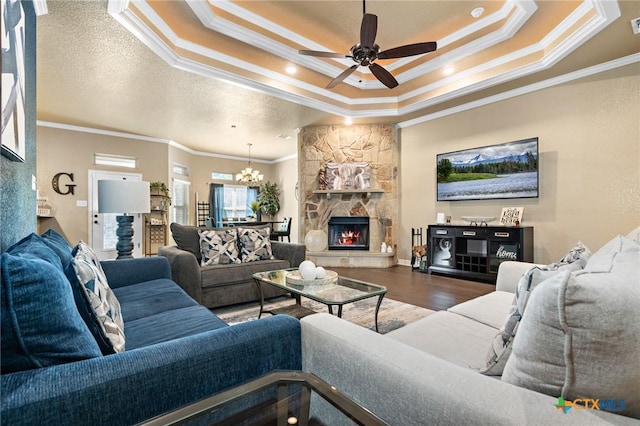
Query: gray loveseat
{"points": [[223, 284], [578, 338]]}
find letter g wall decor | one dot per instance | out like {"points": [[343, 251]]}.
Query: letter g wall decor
{"points": [[55, 183]]}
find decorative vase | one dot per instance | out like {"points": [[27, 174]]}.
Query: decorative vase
{"points": [[316, 240]]}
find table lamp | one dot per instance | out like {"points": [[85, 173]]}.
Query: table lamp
{"points": [[123, 197]]}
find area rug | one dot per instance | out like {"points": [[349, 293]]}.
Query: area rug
{"points": [[392, 314]]}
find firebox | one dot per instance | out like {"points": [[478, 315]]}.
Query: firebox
{"points": [[348, 233]]}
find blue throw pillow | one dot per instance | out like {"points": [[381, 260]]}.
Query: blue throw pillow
{"points": [[33, 246], [59, 245], [40, 323]]}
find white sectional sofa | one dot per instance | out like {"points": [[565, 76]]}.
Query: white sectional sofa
{"points": [[428, 372]]}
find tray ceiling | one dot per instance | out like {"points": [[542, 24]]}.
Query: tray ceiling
{"points": [[212, 76]]}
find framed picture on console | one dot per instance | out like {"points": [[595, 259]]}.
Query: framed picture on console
{"points": [[511, 216]]}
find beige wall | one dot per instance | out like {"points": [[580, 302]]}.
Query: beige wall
{"points": [[287, 178], [67, 151], [589, 133], [62, 150]]}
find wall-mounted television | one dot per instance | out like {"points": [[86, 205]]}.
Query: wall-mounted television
{"points": [[507, 170]]}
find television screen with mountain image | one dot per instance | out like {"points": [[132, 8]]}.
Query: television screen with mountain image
{"points": [[508, 170]]}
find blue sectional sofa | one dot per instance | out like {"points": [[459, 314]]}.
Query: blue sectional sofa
{"points": [[175, 350]]}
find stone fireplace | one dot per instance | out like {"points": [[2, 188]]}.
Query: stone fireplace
{"points": [[348, 233], [373, 148]]}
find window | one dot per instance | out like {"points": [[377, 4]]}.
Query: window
{"points": [[180, 201], [179, 169], [221, 176], [235, 202], [115, 160]]}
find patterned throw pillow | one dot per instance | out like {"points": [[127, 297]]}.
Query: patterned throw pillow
{"points": [[500, 349], [255, 244], [219, 246], [95, 300]]}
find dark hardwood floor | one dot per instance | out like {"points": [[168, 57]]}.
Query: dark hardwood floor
{"points": [[436, 292]]}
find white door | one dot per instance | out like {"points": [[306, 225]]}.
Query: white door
{"points": [[102, 226]]}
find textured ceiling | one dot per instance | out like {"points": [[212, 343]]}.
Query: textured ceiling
{"points": [[211, 75]]}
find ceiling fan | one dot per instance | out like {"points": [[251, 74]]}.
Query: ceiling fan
{"points": [[367, 52]]}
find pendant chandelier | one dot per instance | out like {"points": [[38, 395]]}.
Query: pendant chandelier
{"points": [[249, 176]]}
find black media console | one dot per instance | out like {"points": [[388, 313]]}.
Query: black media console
{"points": [[475, 252]]}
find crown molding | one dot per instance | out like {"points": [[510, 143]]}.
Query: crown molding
{"points": [[111, 133], [596, 69], [520, 11], [628, 60]]}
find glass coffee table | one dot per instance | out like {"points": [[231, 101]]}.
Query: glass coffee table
{"points": [[279, 398], [344, 291]]}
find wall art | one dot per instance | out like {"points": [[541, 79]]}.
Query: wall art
{"points": [[13, 80]]}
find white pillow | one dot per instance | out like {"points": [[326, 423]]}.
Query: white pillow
{"points": [[579, 337]]}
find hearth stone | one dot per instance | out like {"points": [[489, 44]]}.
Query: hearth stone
{"points": [[353, 259]]}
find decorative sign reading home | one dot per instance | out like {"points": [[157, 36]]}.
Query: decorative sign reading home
{"points": [[348, 175], [55, 183], [507, 252], [511, 216]]}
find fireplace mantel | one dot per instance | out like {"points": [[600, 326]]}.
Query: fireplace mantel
{"points": [[330, 192]]}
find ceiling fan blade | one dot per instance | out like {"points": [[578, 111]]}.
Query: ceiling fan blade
{"points": [[344, 74], [368, 30], [383, 75], [323, 54], [408, 50]]}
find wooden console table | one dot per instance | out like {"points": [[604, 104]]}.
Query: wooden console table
{"points": [[475, 252]]}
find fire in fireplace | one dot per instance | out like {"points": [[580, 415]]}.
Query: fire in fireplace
{"points": [[348, 233]]}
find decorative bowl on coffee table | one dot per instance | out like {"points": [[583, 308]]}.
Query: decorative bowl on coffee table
{"points": [[294, 277]]}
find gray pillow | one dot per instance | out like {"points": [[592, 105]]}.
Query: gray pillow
{"points": [[500, 349], [187, 238], [579, 336]]}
